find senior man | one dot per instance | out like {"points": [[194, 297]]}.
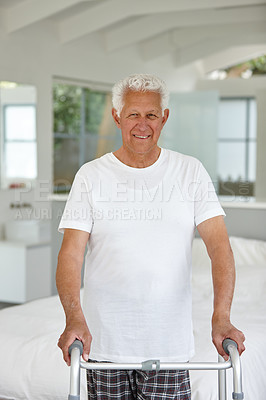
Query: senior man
{"points": [[137, 209]]}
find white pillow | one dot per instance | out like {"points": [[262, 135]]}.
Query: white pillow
{"points": [[246, 252], [250, 284], [250, 258], [249, 251]]}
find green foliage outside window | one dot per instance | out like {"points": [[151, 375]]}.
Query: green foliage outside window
{"points": [[95, 106], [67, 109], [257, 66], [83, 130]]}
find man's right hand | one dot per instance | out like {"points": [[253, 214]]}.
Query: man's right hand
{"points": [[76, 328]]}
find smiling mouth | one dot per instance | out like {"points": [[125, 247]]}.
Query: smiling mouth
{"points": [[141, 137]]}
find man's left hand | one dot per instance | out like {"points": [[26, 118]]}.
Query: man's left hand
{"points": [[223, 329]]}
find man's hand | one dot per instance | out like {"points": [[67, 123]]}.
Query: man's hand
{"points": [[76, 328], [223, 329]]}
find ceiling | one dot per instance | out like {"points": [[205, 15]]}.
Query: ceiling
{"points": [[188, 30]]}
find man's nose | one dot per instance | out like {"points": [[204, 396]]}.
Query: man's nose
{"points": [[142, 124]]}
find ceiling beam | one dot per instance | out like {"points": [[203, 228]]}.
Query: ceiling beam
{"points": [[30, 11], [198, 51], [147, 27], [142, 7], [93, 19], [113, 11], [168, 42]]}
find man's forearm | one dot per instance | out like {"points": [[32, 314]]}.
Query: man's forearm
{"points": [[215, 237], [223, 275], [68, 282]]}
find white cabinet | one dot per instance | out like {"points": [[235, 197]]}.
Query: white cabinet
{"points": [[25, 271]]}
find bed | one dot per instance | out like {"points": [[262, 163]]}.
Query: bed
{"points": [[32, 367]]}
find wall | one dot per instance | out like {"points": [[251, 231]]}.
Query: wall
{"points": [[261, 148], [246, 220], [255, 87]]}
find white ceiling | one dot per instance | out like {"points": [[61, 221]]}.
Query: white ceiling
{"points": [[188, 30]]}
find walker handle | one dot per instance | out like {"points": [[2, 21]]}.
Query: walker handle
{"points": [[76, 344], [75, 351], [236, 364], [227, 343]]}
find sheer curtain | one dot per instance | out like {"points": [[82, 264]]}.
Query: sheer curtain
{"points": [[192, 127]]}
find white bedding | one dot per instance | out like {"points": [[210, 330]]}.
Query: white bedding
{"points": [[32, 367]]}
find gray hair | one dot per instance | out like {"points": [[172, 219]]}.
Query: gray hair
{"points": [[139, 83]]}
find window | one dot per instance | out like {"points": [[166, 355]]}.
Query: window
{"points": [[245, 70], [18, 145], [83, 130], [237, 146], [19, 126]]}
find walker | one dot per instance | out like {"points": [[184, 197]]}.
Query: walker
{"points": [[230, 347]]}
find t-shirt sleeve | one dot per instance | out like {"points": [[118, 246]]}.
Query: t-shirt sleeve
{"points": [[78, 211], [206, 203]]}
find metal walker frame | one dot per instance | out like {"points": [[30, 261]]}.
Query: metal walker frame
{"points": [[230, 347]]}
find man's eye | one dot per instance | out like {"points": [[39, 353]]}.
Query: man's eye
{"points": [[152, 116], [133, 115]]}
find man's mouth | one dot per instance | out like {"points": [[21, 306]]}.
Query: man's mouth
{"points": [[141, 137]]}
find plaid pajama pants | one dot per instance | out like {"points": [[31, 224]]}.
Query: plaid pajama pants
{"points": [[138, 385]]}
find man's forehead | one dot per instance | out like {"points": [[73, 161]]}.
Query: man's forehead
{"points": [[151, 100], [141, 94]]}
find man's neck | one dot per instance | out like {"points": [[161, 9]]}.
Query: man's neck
{"points": [[137, 160]]}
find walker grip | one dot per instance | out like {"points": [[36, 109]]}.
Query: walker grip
{"points": [[228, 342], [76, 344]]}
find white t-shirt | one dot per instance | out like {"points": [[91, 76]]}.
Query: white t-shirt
{"points": [[137, 295]]}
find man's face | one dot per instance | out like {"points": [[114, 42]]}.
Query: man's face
{"points": [[141, 121]]}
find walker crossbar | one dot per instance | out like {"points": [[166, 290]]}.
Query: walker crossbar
{"points": [[163, 366], [229, 346]]}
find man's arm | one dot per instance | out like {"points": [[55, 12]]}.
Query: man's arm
{"points": [[68, 281], [215, 237]]}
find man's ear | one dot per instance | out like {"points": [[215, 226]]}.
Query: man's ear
{"points": [[165, 115], [115, 117]]}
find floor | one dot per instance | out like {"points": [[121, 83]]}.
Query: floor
{"points": [[5, 305]]}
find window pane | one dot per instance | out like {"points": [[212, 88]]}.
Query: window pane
{"points": [[20, 122], [102, 135], [192, 127], [252, 119], [67, 109], [98, 107], [231, 161], [21, 160], [66, 163], [98, 145], [252, 161], [232, 119]]}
